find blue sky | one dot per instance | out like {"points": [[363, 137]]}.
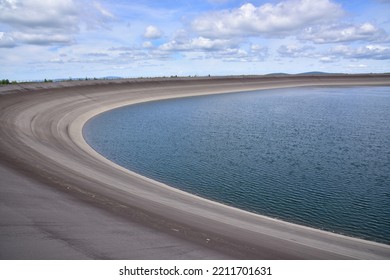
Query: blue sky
{"points": [[96, 38]]}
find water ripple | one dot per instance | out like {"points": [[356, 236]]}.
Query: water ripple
{"points": [[314, 156]]}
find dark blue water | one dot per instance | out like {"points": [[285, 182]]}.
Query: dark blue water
{"points": [[312, 156]]}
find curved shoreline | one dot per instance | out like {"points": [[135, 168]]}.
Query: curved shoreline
{"points": [[49, 129]]}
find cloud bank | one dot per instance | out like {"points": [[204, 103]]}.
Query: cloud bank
{"points": [[145, 37], [268, 19]]}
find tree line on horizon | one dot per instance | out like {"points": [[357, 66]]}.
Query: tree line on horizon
{"points": [[5, 82]]}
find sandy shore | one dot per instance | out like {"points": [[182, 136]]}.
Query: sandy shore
{"points": [[58, 186]]}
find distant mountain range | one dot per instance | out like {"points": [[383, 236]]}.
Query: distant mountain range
{"points": [[317, 73]]}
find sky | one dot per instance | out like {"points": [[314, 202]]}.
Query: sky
{"points": [[47, 39]]}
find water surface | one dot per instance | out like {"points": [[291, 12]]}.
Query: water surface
{"points": [[312, 156]]}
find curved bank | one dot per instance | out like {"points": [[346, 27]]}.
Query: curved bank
{"points": [[41, 134]]}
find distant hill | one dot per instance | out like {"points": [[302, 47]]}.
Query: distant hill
{"points": [[277, 74], [317, 73]]}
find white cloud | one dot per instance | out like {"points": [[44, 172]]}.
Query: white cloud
{"points": [[336, 53], [254, 53], [6, 41], [97, 54], [359, 66], [152, 32], [42, 39], [196, 44], [102, 10], [268, 19], [48, 22], [336, 34], [375, 52], [227, 50], [31, 14], [147, 44], [294, 51], [327, 59]]}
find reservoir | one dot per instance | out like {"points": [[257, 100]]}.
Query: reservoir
{"points": [[316, 156]]}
